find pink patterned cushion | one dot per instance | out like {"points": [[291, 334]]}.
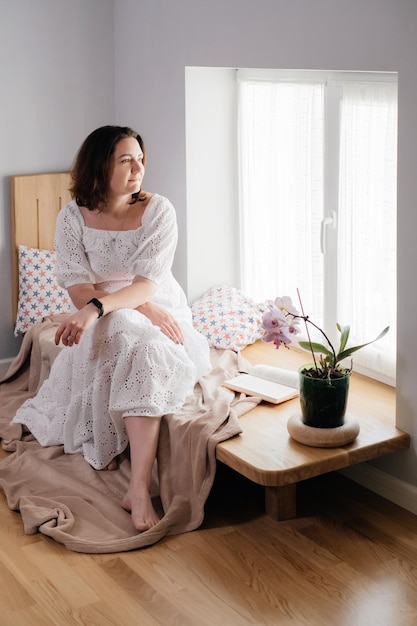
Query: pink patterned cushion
{"points": [[227, 318], [39, 293]]}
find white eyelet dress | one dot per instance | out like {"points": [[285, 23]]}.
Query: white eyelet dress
{"points": [[123, 365]]}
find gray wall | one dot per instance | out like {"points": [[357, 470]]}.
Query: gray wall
{"points": [[57, 84], [64, 71]]}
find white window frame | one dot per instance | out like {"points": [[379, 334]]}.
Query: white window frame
{"points": [[333, 81]]}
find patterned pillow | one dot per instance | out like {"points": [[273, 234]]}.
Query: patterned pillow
{"points": [[39, 293], [227, 318]]}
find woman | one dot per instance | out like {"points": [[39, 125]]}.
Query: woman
{"points": [[132, 354]]}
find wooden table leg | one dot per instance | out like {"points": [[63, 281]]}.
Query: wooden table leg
{"points": [[280, 502]]}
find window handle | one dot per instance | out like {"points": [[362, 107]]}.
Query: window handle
{"points": [[327, 222]]}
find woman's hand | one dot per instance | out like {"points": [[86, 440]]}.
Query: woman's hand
{"points": [[166, 322], [73, 327]]}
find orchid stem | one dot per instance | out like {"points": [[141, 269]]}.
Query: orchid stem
{"points": [[306, 325]]}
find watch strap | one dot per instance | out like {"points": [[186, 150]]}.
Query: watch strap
{"points": [[98, 304]]}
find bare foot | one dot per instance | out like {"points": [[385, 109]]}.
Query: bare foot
{"points": [[139, 503]]}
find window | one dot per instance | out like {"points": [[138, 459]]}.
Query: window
{"points": [[317, 194]]}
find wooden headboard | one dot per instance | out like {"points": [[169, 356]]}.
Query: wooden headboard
{"points": [[36, 200]]}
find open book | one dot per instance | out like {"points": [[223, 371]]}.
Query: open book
{"points": [[272, 384]]}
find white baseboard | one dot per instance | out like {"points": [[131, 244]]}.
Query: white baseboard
{"points": [[393, 489]]}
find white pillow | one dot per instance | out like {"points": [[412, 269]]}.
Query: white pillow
{"points": [[227, 318], [39, 293]]}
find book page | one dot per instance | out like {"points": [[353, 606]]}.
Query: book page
{"points": [[275, 374], [265, 389]]}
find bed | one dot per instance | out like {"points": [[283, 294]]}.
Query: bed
{"points": [[59, 494]]}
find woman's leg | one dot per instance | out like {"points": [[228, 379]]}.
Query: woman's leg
{"points": [[143, 434]]}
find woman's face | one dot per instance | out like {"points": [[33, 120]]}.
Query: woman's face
{"points": [[127, 169]]}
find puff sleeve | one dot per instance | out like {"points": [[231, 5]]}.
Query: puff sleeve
{"points": [[154, 256], [72, 266]]}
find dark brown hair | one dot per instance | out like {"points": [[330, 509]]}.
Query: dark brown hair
{"points": [[91, 168]]}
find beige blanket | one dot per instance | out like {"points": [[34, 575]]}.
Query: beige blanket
{"points": [[61, 496]]}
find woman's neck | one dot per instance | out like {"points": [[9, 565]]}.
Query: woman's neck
{"points": [[117, 207]]}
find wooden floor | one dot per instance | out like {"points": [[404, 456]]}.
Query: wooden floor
{"points": [[348, 559]]}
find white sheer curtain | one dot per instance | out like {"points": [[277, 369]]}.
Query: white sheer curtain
{"points": [[367, 220], [281, 190], [282, 169]]}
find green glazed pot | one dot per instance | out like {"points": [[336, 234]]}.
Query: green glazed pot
{"points": [[323, 401]]}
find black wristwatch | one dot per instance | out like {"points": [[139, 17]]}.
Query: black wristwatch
{"points": [[98, 304]]}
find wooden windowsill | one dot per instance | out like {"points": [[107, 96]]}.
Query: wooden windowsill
{"points": [[266, 454]]}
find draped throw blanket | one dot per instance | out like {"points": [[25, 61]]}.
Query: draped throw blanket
{"points": [[61, 496]]}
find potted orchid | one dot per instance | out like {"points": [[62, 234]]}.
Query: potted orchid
{"points": [[324, 384]]}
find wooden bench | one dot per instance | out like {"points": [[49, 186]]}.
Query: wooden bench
{"points": [[266, 454]]}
